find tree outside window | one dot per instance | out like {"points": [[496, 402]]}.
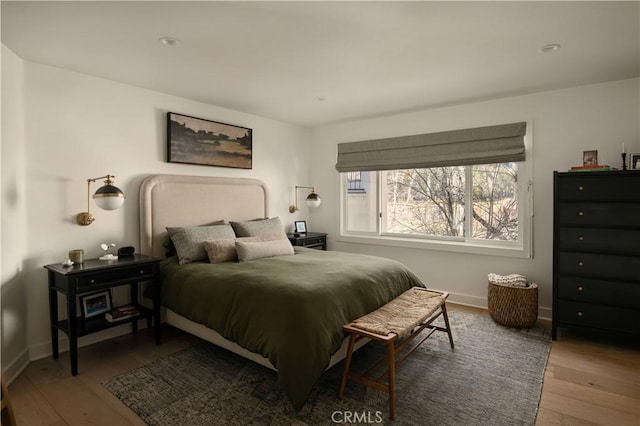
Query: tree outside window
{"points": [[443, 202]]}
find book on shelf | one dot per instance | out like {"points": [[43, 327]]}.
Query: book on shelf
{"points": [[592, 168], [122, 313]]}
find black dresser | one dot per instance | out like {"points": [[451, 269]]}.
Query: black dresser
{"points": [[596, 251]]}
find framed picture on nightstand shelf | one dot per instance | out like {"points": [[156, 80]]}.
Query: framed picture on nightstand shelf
{"points": [[634, 161], [301, 226], [95, 303]]}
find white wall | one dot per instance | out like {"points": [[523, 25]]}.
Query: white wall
{"points": [[565, 123], [60, 128], [78, 127], [14, 213]]}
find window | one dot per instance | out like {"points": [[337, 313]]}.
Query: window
{"points": [[461, 208], [355, 184]]}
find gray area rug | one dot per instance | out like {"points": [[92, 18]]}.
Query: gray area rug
{"points": [[492, 377]]}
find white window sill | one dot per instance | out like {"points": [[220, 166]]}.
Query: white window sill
{"points": [[473, 247]]}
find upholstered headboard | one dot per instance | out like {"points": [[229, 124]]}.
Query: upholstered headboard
{"points": [[176, 200]]}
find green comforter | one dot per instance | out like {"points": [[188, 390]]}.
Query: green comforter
{"points": [[290, 309]]}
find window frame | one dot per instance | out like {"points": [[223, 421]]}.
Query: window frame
{"points": [[523, 248]]}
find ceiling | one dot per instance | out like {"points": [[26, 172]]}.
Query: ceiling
{"points": [[313, 63]]}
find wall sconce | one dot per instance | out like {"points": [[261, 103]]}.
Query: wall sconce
{"points": [[313, 200], [108, 197]]}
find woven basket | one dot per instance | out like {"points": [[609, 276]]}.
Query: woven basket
{"points": [[512, 306]]}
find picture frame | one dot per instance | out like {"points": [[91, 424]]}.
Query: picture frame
{"points": [[300, 226], [634, 161], [192, 140], [95, 303], [590, 158]]}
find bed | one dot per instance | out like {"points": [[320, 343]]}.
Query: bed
{"points": [[284, 312]]}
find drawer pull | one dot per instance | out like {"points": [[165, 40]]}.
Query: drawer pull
{"points": [[579, 288], [93, 281], [579, 313], [580, 238], [580, 188], [581, 263], [580, 213], [141, 271]]}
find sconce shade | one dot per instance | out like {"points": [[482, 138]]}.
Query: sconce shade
{"points": [[313, 200], [109, 197]]}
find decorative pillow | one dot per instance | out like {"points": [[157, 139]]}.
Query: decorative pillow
{"points": [[224, 249], [258, 250], [189, 241], [253, 228]]}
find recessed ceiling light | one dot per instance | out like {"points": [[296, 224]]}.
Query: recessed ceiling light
{"points": [[549, 48], [169, 41]]}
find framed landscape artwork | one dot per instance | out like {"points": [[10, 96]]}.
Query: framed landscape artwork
{"points": [[194, 140]]}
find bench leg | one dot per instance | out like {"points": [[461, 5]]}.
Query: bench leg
{"points": [[392, 378], [347, 365], [446, 321]]}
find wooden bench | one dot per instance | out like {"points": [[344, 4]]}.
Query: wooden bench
{"points": [[407, 315]]}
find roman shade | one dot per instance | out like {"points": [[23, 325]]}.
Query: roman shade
{"points": [[480, 145]]}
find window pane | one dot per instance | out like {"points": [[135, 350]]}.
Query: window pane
{"points": [[495, 202], [361, 202], [425, 201]]}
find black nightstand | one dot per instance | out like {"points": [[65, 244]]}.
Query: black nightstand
{"points": [[316, 240], [95, 275]]}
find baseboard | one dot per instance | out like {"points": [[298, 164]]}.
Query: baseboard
{"points": [[544, 313], [16, 366], [43, 350]]}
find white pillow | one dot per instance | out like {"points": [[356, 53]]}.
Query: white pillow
{"points": [[258, 250]]}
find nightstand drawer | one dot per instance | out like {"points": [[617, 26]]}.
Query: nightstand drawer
{"points": [[315, 240], [311, 241], [606, 292], [599, 265], [603, 240], [117, 275], [599, 316]]}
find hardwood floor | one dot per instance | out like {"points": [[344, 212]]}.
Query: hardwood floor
{"points": [[589, 380]]}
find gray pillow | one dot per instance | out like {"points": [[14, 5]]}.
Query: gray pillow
{"points": [[188, 241], [258, 250], [254, 228], [170, 249], [224, 249]]}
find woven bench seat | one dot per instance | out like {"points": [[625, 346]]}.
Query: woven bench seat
{"points": [[402, 314], [396, 324]]}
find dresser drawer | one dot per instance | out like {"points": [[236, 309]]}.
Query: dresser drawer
{"points": [[599, 188], [591, 265], [600, 214], [606, 292], [599, 316], [120, 274], [623, 241]]}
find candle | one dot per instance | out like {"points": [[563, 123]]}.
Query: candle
{"points": [[623, 148]]}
